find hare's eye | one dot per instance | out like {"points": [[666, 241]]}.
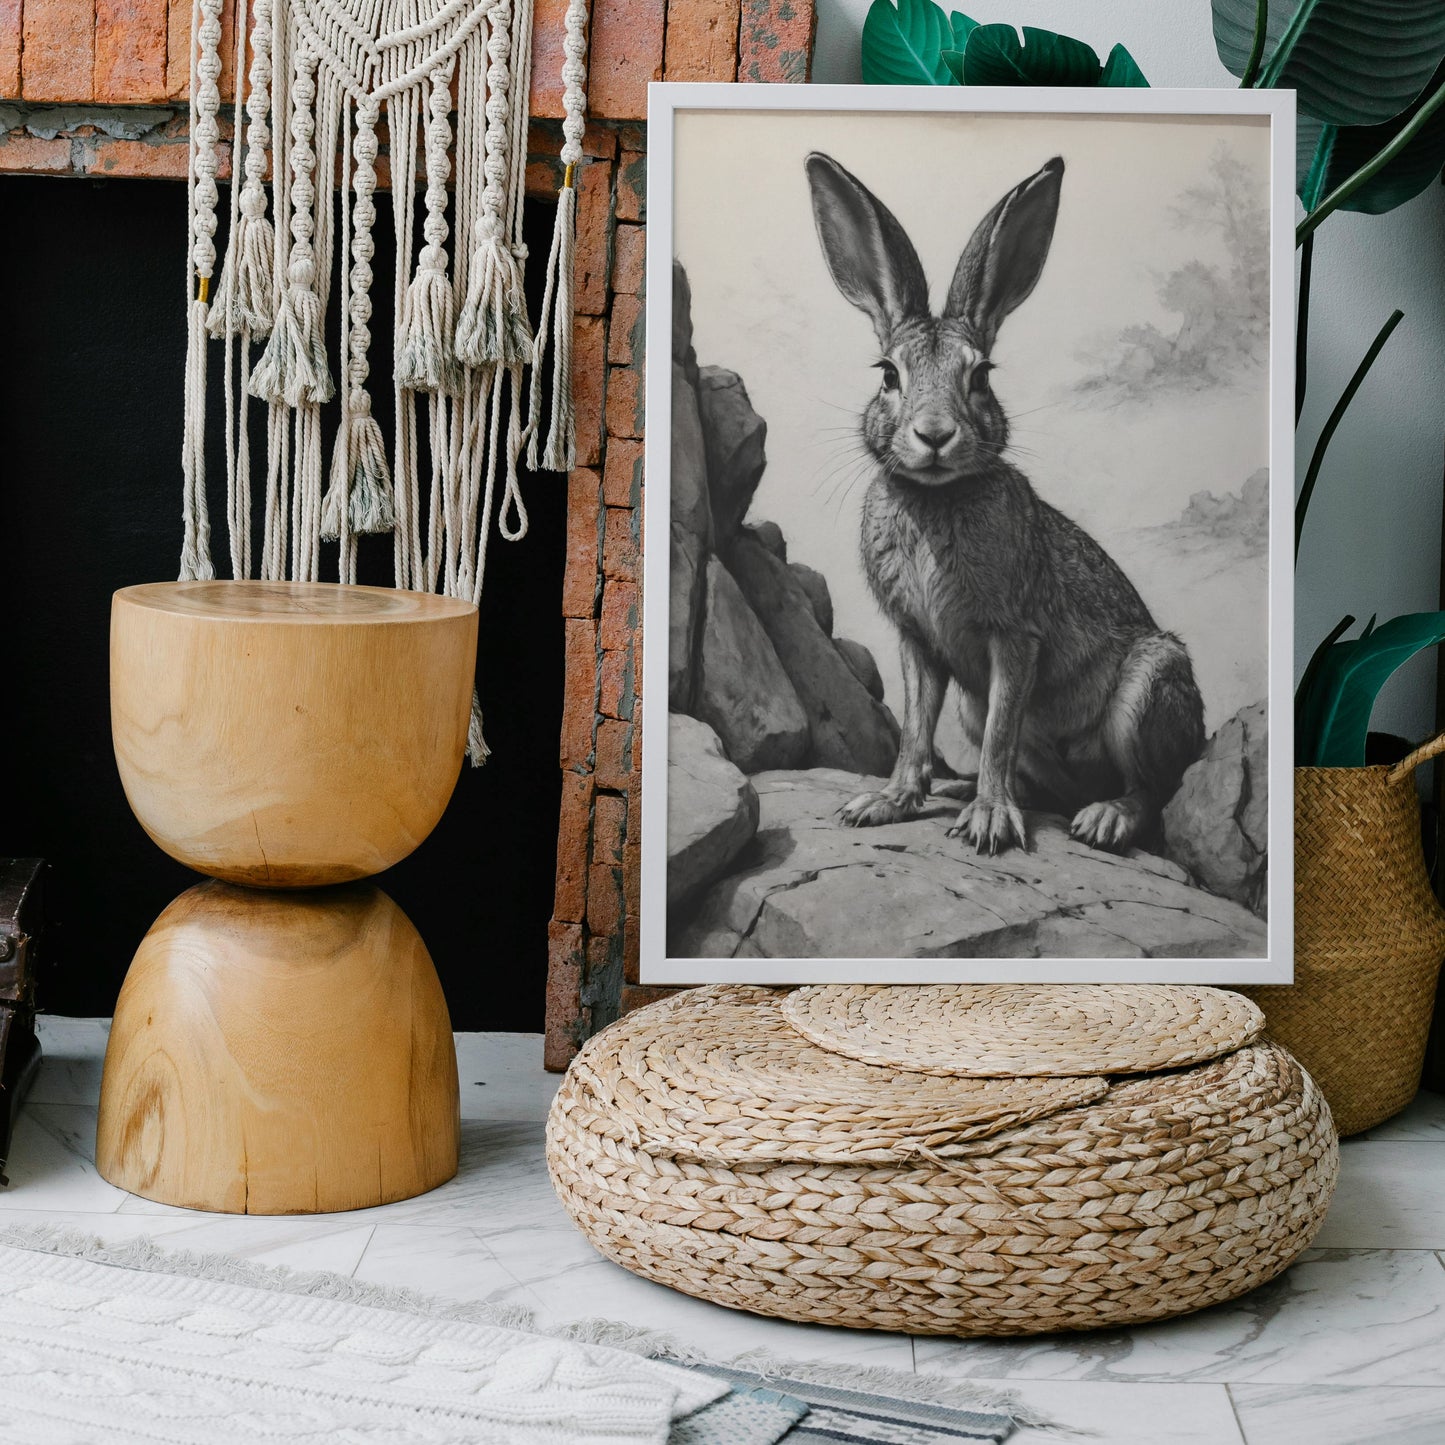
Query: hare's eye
{"points": [[890, 375], [978, 378]]}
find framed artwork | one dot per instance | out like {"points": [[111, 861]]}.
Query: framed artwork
{"points": [[968, 578]]}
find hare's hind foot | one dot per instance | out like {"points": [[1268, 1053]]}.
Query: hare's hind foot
{"points": [[992, 825], [1111, 825], [888, 805]]}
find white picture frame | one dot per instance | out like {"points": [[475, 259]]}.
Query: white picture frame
{"points": [[1267, 956]]}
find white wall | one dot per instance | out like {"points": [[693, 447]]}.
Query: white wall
{"points": [[1372, 543]]}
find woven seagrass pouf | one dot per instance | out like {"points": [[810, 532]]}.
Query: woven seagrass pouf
{"points": [[703, 1143]]}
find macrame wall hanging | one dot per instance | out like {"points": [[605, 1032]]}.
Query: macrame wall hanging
{"points": [[452, 77]]}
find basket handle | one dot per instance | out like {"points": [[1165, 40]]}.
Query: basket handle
{"points": [[1422, 754]]}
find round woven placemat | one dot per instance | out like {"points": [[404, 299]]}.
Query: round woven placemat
{"points": [[1002, 1030], [719, 1074]]}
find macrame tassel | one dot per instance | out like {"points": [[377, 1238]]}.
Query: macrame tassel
{"points": [[477, 750], [293, 368], [360, 474], [493, 328], [196, 564], [245, 294], [426, 357]]}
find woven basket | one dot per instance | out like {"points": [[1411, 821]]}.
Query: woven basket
{"points": [[1369, 937], [1171, 1192]]}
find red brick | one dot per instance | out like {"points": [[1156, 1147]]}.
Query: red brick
{"points": [[544, 175], [599, 139], [604, 901], [632, 137], [617, 684], [775, 40], [28, 153], [639, 995], [584, 539], [548, 31], [629, 265], [589, 385], [625, 401], [609, 824], [10, 31], [614, 755], [146, 160], [625, 53], [631, 898], [59, 50], [619, 544], [619, 616], [702, 40], [579, 699], [632, 187], [594, 227], [627, 331], [573, 829], [130, 51], [622, 472], [566, 1018]]}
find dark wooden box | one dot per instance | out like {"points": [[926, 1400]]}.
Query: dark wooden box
{"points": [[20, 927]]}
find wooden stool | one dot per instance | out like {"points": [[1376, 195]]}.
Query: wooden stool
{"points": [[281, 1044]]}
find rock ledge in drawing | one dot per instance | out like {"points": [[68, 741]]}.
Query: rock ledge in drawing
{"points": [[806, 887]]}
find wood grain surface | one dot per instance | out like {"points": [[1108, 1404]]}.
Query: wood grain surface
{"points": [[280, 1053], [288, 734]]}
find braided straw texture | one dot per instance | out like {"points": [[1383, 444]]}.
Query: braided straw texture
{"points": [[1005, 1029], [1170, 1193], [718, 1075], [1369, 937]]}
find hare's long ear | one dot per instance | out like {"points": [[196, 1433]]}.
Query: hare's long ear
{"points": [[1005, 256], [872, 260]]}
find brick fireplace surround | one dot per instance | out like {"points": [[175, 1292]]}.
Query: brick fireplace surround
{"points": [[98, 88]]}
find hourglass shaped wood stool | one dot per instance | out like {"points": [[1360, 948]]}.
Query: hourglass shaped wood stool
{"points": [[281, 1043]]}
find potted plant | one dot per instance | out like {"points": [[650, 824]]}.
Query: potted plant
{"points": [[1369, 933]]}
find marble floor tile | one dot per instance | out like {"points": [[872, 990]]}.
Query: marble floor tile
{"points": [[51, 1163], [1422, 1118], [1289, 1415], [72, 1052], [1391, 1195], [1117, 1414], [449, 1261], [296, 1243], [502, 1077], [1344, 1317]]}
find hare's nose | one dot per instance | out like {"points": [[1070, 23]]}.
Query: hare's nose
{"points": [[935, 439]]}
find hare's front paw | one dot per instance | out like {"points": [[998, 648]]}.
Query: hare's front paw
{"points": [[1112, 825], [873, 810], [991, 824]]}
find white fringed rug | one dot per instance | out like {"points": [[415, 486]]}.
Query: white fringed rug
{"points": [[106, 1343]]}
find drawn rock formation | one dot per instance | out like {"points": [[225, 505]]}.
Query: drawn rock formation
{"points": [[1217, 824], [806, 888], [750, 645], [712, 809]]}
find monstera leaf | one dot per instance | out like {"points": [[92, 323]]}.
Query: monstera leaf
{"points": [[903, 43], [914, 42], [1337, 700], [1326, 155], [1351, 63]]}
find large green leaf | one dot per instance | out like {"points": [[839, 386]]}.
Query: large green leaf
{"points": [[1327, 155], [902, 44], [1121, 69], [1306, 744], [1350, 677], [995, 55], [1352, 62]]}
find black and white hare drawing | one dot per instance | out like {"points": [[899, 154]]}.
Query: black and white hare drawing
{"points": [[1074, 697]]}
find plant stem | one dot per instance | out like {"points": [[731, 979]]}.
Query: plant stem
{"points": [[1302, 326], [1336, 416], [1371, 168], [1256, 51]]}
